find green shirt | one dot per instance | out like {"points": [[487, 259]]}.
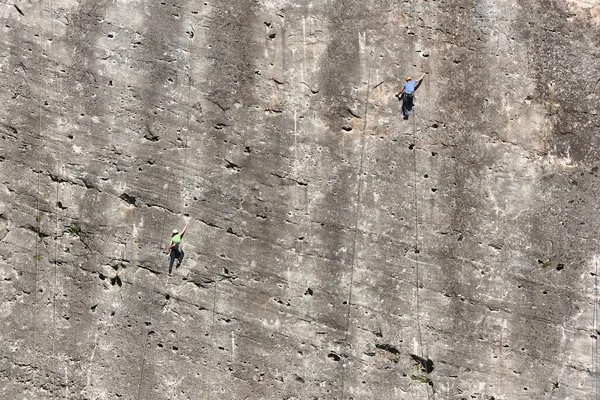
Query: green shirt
{"points": [[176, 238]]}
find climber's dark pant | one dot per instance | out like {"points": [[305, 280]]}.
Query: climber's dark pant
{"points": [[407, 103], [176, 253]]}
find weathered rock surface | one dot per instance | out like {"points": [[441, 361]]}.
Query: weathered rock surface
{"points": [[334, 250]]}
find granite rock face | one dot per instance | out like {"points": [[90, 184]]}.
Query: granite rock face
{"points": [[334, 250]]}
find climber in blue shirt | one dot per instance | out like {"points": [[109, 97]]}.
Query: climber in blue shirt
{"points": [[407, 94]]}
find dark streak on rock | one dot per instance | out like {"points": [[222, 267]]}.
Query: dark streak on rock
{"points": [[18, 9], [232, 166], [299, 183], [355, 115]]}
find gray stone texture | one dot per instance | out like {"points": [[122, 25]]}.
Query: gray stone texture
{"points": [[335, 251]]}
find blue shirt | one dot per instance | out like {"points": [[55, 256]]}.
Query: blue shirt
{"points": [[409, 87]]}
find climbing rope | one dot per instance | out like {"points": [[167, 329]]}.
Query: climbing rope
{"points": [[356, 219], [147, 338], [212, 325], [57, 227], [191, 35], [38, 216], [54, 290], [153, 292], [595, 334], [416, 247], [499, 391]]}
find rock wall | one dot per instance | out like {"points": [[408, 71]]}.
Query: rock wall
{"points": [[334, 250]]}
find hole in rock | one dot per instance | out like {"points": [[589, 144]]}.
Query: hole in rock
{"points": [[127, 198], [389, 348], [116, 281], [425, 363]]}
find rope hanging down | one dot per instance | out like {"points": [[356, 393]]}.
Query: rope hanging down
{"points": [[416, 248], [57, 208], [38, 216], [595, 328], [356, 219], [153, 293], [191, 35]]}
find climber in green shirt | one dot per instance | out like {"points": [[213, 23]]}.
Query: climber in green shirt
{"points": [[174, 249]]}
